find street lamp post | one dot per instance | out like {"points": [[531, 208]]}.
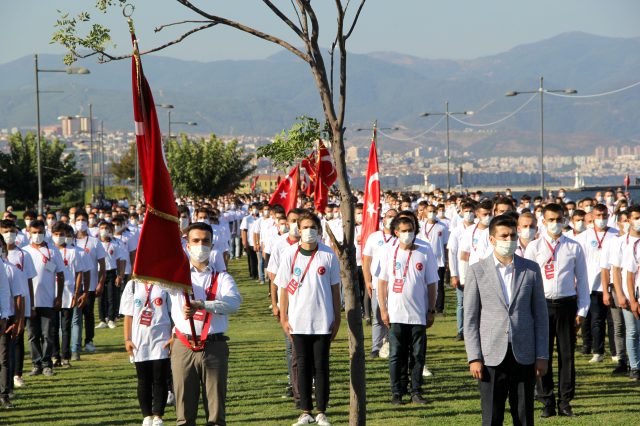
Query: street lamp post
{"points": [[186, 123], [446, 114], [541, 90], [37, 70], [375, 129]]}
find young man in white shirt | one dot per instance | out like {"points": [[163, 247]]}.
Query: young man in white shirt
{"points": [[566, 287], [201, 361], [246, 231], [407, 293], [468, 216], [365, 301], [47, 298], [594, 242], [577, 224], [630, 283], [309, 275], [114, 262], [474, 242], [129, 242], [373, 249], [260, 225], [437, 234]]}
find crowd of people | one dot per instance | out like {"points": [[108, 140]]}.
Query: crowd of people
{"points": [[530, 276]]}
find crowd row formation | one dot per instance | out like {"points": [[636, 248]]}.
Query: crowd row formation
{"points": [[59, 263]]}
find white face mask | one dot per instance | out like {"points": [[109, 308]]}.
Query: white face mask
{"points": [[337, 215], [309, 235], [387, 222], [72, 217], [58, 240], [468, 216], [588, 209], [265, 213], [119, 228], [590, 226], [555, 228], [133, 222], [69, 241], [104, 233], [37, 238], [359, 218], [283, 229], [406, 237], [203, 221], [81, 226], [27, 223], [293, 230], [538, 214], [609, 201], [184, 222], [9, 237], [570, 212], [431, 215], [505, 248], [51, 222], [600, 223], [107, 219], [92, 221], [199, 253], [486, 220], [636, 225], [625, 227], [328, 216], [254, 212], [578, 225], [527, 234], [440, 214]]}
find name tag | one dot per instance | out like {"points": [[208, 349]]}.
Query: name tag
{"points": [[145, 317], [50, 266], [549, 270], [398, 285], [292, 286], [199, 315]]}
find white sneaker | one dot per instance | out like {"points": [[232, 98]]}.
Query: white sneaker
{"points": [[157, 421], [171, 399], [111, 325], [148, 421], [321, 420], [426, 372], [596, 358], [615, 359], [18, 381], [384, 350], [102, 324], [304, 419], [90, 347]]}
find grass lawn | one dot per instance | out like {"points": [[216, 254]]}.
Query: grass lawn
{"points": [[101, 389]]}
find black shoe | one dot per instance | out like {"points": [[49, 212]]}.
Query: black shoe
{"points": [[548, 411], [35, 371], [375, 354], [460, 337], [368, 321], [288, 393], [417, 398], [634, 375], [6, 404], [297, 404], [566, 411], [396, 399], [620, 369], [585, 351]]}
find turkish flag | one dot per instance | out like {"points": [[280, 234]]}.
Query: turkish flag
{"points": [[309, 165], [371, 216], [254, 182], [160, 258], [627, 180], [286, 194], [326, 176]]}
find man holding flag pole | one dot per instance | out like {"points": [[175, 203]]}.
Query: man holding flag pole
{"points": [[202, 297]]}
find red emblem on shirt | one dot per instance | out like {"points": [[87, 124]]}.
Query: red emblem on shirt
{"points": [[419, 266], [111, 252], [158, 301], [440, 234], [321, 270]]}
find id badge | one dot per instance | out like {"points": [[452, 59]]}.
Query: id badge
{"points": [[199, 315], [145, 317], [398, 285], [292, 286], [549, 270], [50, 266]]}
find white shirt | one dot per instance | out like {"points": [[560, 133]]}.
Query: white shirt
{"points": [[594, 244], [617, 250], [47, 262], [631, 262], [437, 235], [22, 260], [454, 247], [280, 246], [75, 261], [227, 301], [247, 225], [570, 269], [475, 241], [408, 303], [114, 250], [505, 274], [357, 235], [14, 277], [373, 248], [129, 242], [311, 304], [96, 252], [148, 340]]}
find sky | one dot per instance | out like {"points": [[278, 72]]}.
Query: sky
{"points": [[461, 29]]}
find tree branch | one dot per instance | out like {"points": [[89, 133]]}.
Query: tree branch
{"points": [[283, 17], [247, 29], [295, 9], [161, 27], [342, 41], [355, 19]]}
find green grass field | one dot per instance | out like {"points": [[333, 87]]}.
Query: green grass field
{"points": [[101, 389]]}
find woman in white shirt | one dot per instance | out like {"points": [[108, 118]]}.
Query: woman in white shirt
{"points": [[147, 333]]}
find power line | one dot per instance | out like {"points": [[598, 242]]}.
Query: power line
{"points": [[412, 137], [508, 116], [596, 94]]}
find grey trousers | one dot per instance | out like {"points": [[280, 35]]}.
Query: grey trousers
{"points": [[192, 371], [378, 330]]}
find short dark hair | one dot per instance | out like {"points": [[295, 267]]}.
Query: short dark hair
{"points": [[59, 227], [634, 209], [403, 220], [37, 224], [296, 211], [29, 213], [406, 213], [6, 223], [600, 208], [201, 226], [502, 220], [554, 208], [578, 213], [486, 205], [307, 215]]}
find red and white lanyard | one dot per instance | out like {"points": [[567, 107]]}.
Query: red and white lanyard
{"points": [[553, 251], [603, 235], [406, 266], [295, 256]]}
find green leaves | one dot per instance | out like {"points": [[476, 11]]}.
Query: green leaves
{"points": [[290, 147], [125, 169], [207, 168]]}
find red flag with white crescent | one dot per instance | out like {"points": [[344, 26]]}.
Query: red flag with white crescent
{"points": [[371, 204], [160, 258], [286, 194], [325, 177], [627, 180], [309, 165]]}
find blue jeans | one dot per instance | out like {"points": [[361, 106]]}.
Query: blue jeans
{"points": [[378, 329], [76, 330], [633, 339], [460, 309], [260, 266], [406, 341]]}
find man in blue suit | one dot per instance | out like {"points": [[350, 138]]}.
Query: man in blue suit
{"points": [[506, 327]]}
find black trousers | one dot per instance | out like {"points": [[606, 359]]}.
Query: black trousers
{"points": [[598, 311], [89, 317], [41, 336], [63, 328], [6, 352], [562, 331], [107, 308], [153, 379], [407, 348], [512, 380], [440, 296], [585, 330], [19, 355], [312, 353], [365, 300], [252, 262]]}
